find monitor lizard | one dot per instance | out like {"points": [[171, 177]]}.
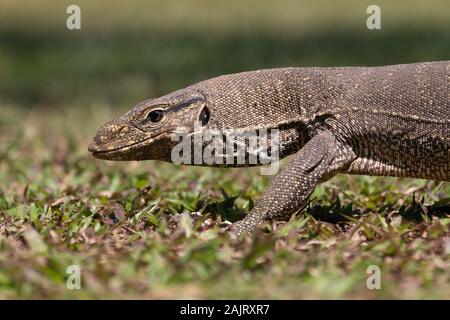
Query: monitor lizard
{"points": [[382, 121]]}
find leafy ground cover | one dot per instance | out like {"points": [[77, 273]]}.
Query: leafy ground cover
{"points": [[153, 230]]}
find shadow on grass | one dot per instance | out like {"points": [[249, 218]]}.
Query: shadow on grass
{"points": [[336, 213], [227, 208], [415, 212]]}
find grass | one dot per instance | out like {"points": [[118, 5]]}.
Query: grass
{"points": [[153, 230]]}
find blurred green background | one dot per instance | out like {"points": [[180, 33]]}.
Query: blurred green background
{"points": [[60, 206], [128, 51]]}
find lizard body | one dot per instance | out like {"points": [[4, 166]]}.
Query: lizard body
{"points": [[384, 121]]}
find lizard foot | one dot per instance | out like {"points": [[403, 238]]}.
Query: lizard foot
{"points": [[242, 227], [236, 229]]}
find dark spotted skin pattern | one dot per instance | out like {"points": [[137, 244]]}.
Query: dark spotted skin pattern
{"points": [[384, 121]]}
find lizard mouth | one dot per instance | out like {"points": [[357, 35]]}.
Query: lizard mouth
{"points": [[116, 153], [139, 150]]}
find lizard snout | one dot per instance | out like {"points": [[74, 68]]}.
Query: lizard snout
{"points": [[94, 146], [113, 137]]}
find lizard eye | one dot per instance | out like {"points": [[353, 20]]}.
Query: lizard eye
{"points": [[155, 116], [204, 116]]}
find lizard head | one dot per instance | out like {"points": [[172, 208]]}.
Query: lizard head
{"points": [[233, 104], [145, 132]]}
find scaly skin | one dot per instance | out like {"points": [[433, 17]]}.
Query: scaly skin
{"points": [[384, 121]]}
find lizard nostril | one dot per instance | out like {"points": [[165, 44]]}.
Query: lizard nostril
{"points": [[123, 130]]}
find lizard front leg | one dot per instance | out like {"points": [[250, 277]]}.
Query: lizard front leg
{"points": [[320, 159]]}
